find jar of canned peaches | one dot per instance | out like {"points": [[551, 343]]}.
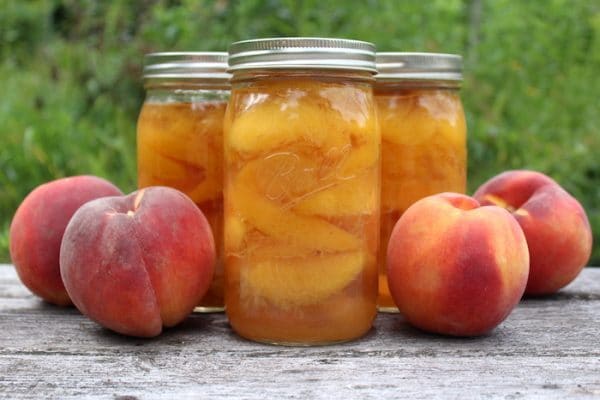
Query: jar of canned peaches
{"points": [[180, 138], [423, 134], [302, 172]]}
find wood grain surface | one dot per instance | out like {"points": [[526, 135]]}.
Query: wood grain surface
{"points": [[548, 348]]}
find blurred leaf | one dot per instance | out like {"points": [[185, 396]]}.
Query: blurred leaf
{"points": [[71, 77]]}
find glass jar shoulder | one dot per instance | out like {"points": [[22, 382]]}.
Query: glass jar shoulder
{"points": [[408, 110], [336, 103], [176, 95], [167, 107], [397, 95]]}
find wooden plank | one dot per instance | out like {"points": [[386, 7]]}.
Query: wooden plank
{"points": [[548, 348]]}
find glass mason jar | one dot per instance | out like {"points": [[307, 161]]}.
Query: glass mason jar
{"points": [[423, 133], [180, 138], [302, 172]]}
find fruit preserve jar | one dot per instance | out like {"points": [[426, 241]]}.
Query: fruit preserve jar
{"points": [[302, 172], [423, 134], [180, 138]]}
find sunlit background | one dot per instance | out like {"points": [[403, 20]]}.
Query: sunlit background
{"points": [[71, 89]]}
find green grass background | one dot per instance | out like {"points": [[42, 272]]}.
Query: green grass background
{"points": [[70, 78]]}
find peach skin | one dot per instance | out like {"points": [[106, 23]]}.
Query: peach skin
{"points": [[139, 262], [38, 226], [454, 267], [556, 226]]}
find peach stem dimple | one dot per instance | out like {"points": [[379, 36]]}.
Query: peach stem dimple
{"points": [[460, 201], [137, 200], [499, 202], [522, 212]]}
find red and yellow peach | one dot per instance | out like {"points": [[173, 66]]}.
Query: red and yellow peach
{"points": [[139, 262], [557, 229], [454, 267], [37, 229]]}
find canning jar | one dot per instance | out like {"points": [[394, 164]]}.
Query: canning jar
{"points": [[423, 134], [180, 138], [302, 172]]}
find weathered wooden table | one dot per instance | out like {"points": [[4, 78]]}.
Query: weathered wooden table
{"points": [[548, 348]]}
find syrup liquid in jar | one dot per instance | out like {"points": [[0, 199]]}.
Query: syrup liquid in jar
{"points": [[180, 138], [423, 133], [302, 173]]}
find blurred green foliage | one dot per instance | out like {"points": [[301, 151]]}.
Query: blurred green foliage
{"points": [[70, 73]]}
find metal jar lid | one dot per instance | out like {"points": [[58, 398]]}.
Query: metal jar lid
{"points": [[302, 53], [198, 66], [419, 66]]}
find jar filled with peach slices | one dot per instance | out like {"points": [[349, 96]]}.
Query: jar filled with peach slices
{"points": [[180, 138], [302, 172], [423, 133]]}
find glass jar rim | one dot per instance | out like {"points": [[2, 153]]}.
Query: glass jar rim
{"points": [[393, 66], [198, 66], [302, 53]]}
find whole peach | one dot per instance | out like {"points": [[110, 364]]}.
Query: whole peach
{"points": [[37, 229], [139, 262], [556, 227], [454, 267]]}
